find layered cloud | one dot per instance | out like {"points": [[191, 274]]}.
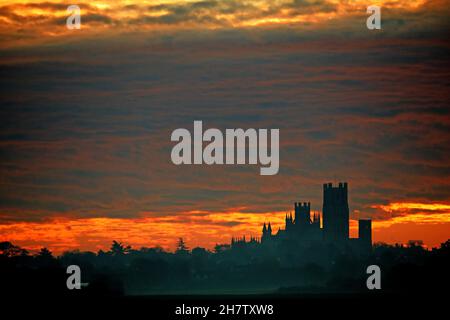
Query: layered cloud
{"points": [[26, 22]]}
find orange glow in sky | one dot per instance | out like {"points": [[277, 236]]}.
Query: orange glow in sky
{"points": [[392, 207], [43, 20], [197, 228], [208, 229]]}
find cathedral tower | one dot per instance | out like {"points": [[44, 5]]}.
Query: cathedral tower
{"points": [[335, 212], [302, 214]]}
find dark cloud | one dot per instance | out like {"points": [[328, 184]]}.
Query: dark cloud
{"points": [[86, 123]]}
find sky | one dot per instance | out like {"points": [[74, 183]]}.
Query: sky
{"points": [[86, 118]]}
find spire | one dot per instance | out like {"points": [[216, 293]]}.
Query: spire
{"points": [[269, 229], [264, 228]]}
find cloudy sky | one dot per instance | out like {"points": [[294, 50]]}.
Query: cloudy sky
{"points": [[86, 117]]}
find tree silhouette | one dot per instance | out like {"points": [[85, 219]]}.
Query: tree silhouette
{"points": [[415, 243], [117, 248], [9, 250], [181, 247], [153, 270], [221, 248], [45, 253]]}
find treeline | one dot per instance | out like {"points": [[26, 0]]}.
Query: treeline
{"points": [[246, 269]]}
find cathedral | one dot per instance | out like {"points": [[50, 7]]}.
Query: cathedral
{"points": [[306, 229]]}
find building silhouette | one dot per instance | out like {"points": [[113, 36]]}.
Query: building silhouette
{"points": [[335, 212], [306, 228]]}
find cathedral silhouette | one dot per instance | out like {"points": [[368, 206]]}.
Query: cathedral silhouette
{"points": [[304, 229]]}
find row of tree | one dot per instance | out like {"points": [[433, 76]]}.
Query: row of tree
{"points": [[124, 270]]}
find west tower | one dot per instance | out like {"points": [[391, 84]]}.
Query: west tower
{"points": [[335, 212]]}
